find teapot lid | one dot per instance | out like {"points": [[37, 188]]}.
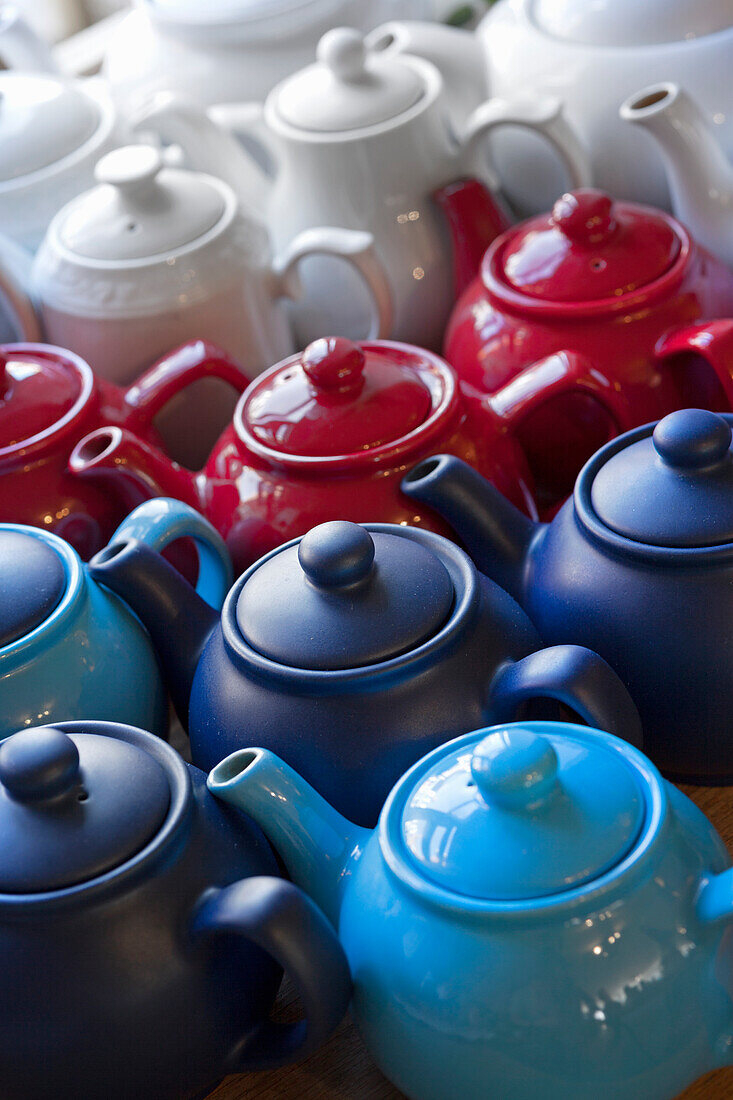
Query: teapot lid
{"points": [[39, 387], [628, 23], [73, 806], [671, 487], [588, 250], [141, 208], [337, 398], [344, 596], [42, 120], [32, 582], [348, 88], [527, 811]]}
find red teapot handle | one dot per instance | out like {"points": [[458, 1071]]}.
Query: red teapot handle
{"points": [[711, 340], [174, 372], [279, 918]]}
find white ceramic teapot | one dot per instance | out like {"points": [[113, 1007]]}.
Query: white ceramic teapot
{"points": [[594, 55], [362, 138], [154, 256]]}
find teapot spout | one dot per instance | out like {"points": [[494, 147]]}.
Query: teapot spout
{"points": [[495, 533], [699, 176], [474, 219], [318, 845]]}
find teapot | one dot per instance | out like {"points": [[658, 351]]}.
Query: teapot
{"points": [[363, 138], [352, 651], [698, 169], [592, 319], [49, 399], [637, 565], [157, 255], [593, 56], [68, 646], [526, 920], [324, 435], [142, 926]]}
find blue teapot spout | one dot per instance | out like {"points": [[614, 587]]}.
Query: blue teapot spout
{"points": [[320, 848], [495, 533]]}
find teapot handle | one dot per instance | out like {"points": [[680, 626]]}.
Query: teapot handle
{"points": [[20, 46], [575, 676], [711, 340], [161, 521], [15, 270], [279, 918], [356, 246], [173, 373], [542, 114]]}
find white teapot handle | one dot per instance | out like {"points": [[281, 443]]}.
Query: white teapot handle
{"points": [[15, 267], [20, 46], [357, 248], [544, 115]]}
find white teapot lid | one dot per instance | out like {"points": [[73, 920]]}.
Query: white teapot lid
{"points": [[629, 22], [141, 208], [42, 119], [348, 88]]}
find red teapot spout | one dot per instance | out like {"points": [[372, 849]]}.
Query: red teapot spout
{"points": [[133, 470], [475, 219]]}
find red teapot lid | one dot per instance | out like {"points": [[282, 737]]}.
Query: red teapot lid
{"points": [[342, 399], [589, 249], [42, 388]]}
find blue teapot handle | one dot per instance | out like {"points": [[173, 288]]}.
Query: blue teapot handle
{"points": [[575, 676], [279, 918], [161, 521]]}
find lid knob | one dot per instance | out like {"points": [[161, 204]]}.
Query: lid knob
{"points": [[132, 169], [38, 764], [584, 216], [342, 50], [514, 768], [691, 439], [334, 363], [336, 554]]}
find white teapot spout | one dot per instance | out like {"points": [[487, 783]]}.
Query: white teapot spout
{"points": [[699, 176]]}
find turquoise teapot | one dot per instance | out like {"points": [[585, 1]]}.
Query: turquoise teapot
{"points": [[537, 914], [70, 648]]}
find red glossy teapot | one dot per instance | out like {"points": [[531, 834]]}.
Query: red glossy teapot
{"points": [[587, 320], [49, 399], [323, 435]]}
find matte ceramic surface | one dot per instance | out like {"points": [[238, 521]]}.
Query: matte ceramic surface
{"points": [[353, 728], [154, 976], [324, 435], [49, 399], [607, 332], [637, 564], [593, 58], [89, 656], [577, 993]]}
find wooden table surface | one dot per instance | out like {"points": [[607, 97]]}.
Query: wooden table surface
{"points": [[342, 1069]]}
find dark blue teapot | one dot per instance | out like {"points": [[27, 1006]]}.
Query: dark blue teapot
{"points": [[638, 565], [350, 653], [142, 928]]}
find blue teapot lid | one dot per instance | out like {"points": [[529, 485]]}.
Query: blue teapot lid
{"points": [[73, 807], [674, 486], [530, 810], [32, 583], [344, 596]]}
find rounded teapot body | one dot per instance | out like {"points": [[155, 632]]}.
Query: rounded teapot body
{"points": [[574, 999], [593, 79]]}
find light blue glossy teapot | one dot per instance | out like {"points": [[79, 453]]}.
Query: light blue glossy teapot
{"points": [[537, 914]]}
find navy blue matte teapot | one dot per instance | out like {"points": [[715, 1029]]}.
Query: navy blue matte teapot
{"points": [[637, 564], [350, 653], [142, 930]]}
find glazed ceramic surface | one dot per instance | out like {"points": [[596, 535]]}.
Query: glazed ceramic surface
{"points": [[593, 321], [324, 435], [533, 908], [325, 637], [49, 398], [593, 57], [637, 564], [142, 930], [71, 647]]}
